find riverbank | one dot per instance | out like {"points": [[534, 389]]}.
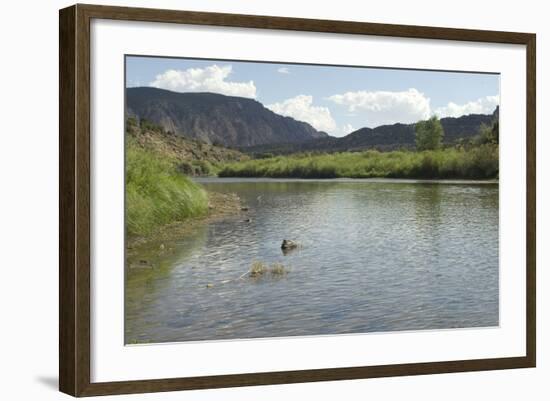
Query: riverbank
{"points": [[156, 193], [160, 239], [480, 162], [159, 191]]}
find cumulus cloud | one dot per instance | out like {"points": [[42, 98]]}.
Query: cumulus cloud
{"points": [[301, 108], [483, 105], [209, 79], [385, 107], [283, 70]]}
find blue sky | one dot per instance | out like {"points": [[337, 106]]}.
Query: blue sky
{"points": [[337, 100]]}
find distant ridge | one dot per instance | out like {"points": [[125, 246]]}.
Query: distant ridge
{"points": [[384, 137]]}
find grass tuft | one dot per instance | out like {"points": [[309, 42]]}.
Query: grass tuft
{"points": [[157, 193], [259, 269], [277, 269]]}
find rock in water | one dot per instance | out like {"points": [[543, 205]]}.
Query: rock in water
{"points": [[289, 244]]}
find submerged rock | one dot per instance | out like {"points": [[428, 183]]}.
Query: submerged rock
{"points": [[289, 244]]}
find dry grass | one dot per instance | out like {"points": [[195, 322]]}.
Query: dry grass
{"points": [[259, 269], [278, 269]]}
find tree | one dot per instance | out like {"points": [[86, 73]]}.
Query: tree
{"points": [[429, 134], [487, 134]]}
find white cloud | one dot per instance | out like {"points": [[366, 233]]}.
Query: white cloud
{"points": [[344, 130], [283, 70], [483, 105], [385, 107], [208, 79], [301, 108]]}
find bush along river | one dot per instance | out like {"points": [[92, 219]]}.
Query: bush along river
{"points": [[367, 256]]}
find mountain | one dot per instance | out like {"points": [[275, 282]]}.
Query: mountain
{"points": [[216, 119], [246, 124], [384, 137]]}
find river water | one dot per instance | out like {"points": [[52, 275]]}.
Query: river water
{"points": [[375, 255]]}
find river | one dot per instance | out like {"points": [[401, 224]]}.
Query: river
{"points": [[374, 256]]}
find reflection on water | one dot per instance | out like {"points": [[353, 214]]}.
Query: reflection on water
{"points": [[373, 256]]}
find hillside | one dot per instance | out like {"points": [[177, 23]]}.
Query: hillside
{"points": [[216, 119], [193, 157]]}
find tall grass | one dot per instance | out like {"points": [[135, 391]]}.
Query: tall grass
{"points": [[475, 163], [156, 193]]}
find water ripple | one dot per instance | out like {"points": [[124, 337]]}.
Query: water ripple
{"points": [[375, 256]]}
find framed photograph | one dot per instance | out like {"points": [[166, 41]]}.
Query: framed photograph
{"points": [[250, 200]]}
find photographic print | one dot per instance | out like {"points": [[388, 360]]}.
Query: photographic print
{"points": [[273, 200]]}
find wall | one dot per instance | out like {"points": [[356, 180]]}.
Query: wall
{"points": [[28, 211]]}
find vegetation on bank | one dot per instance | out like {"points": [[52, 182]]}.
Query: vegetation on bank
{"points": [[475, 163], [156, 192], [475, 158]]}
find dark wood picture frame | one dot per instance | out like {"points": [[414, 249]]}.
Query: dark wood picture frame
{"points": [[74, 199]]}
